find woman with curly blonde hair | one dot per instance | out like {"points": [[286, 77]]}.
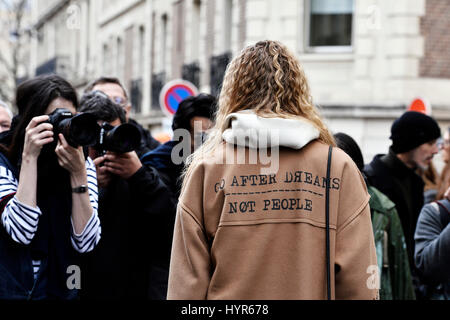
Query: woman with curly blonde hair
{"points": [[298, 230]]}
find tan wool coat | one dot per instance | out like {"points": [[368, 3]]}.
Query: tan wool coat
{"points": [[244, 235]]}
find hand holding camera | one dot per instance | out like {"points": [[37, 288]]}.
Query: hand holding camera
{"points": [[71, 159], [47, 129], [104, 177], [79, 130], [123, 165], [37, 134], [116, 145]]}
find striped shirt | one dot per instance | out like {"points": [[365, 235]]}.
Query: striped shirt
{"points": [[21, 221]]}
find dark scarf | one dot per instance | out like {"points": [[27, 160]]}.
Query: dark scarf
{"points": [[52, 240]]}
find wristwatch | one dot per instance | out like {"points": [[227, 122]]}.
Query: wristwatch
{"points": [[80, 189]]}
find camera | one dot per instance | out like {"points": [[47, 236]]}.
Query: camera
{"points": [[79, 130], [121, 139]]}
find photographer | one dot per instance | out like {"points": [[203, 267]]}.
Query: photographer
{"points": [[117, 93], [48, 197], [137, 212]]}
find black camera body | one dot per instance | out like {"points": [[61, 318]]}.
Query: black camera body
{"points": [[121, 139], [78, 130]]}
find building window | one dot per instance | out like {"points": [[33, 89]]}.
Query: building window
{"points": [[158, 81], [136, 95], [195, 30], [227, 25], [163, 51], [106, 60], [178, 38], [191, 73], [119, 57], [141, 51], [218, 67], [329, 25]]}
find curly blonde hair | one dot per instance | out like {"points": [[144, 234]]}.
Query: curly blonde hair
{"points": [[269, 80]]}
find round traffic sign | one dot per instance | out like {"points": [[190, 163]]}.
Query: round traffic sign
{"points": [[173, 93]]}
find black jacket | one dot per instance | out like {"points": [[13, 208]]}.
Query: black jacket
{"points": [[131, 260], [403, 187], [148, 143], [161, 160], [433, 249]]}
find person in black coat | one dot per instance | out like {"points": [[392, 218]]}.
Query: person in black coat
{"points": [[193, 118], [136, 209], [414, 143]]}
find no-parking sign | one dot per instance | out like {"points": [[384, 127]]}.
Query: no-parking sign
{"points": [[173, 93]]}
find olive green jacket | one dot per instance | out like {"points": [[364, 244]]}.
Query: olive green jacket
{"points": [[395, 280]]}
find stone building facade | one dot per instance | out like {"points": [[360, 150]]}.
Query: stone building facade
{"points": [[365, 59], [14, 47]]}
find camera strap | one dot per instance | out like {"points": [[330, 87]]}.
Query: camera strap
{"points": [[327, 221]]}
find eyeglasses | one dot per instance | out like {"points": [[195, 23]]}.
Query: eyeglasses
{"points": [[120, 101], [443, 143], [100, 94], [117, 100]]}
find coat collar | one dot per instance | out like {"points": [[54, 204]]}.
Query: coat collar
{"points": [[247, 129], [396, 165]]}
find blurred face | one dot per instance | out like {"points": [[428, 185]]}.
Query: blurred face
{"points": [[5, 120], [116, 94], [446, 148], [60, 103], [423, 155], [199, 125]]}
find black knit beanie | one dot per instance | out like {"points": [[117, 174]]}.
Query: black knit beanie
{"points": [[411, 130]]}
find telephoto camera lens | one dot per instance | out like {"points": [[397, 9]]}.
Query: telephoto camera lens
{"points": [[82, 131], [121, 139], [79, 130]]}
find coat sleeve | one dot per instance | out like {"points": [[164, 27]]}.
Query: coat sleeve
{"points": [[190, 264], [402, 285], [146, 186], [432, 256], [357, 273], [189, 275], [19, 220], [154, 211]]}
